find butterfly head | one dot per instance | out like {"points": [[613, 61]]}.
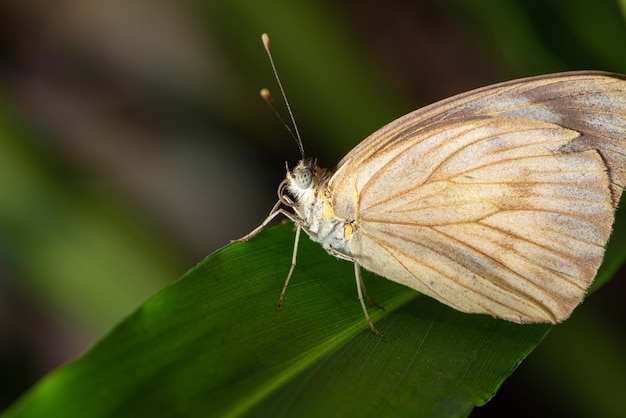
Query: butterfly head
{"points": [[303, 182]]}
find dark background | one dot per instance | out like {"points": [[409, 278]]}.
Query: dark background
{"points": [[133, 143]]}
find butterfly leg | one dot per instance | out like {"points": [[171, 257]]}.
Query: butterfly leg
{"points": [[293, 266], [368, 297], [360, 287], [273, 213]]}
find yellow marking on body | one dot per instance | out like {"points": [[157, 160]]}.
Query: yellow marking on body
{"points": [[327, 206], [347, 230], [328, 210]]}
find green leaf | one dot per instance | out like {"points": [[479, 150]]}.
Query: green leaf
{"points": [[212, 344]]}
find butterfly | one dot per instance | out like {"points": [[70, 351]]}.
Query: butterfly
{"points": [[498, 201]]}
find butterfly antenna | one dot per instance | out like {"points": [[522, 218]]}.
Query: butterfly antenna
{"points": [[265, 94]]}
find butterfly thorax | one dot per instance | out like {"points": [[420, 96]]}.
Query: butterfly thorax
{"points": [[307, 184]]}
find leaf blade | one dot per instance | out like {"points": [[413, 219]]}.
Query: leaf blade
{"points": [[212, 344]]}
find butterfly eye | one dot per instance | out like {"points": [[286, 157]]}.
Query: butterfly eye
{"points": [[303, 177]]}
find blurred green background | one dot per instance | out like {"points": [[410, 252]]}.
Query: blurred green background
{"points": [[133, 143]]}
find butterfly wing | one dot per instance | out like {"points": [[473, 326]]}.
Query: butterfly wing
{"points": [[592, 103], [498, 201]]}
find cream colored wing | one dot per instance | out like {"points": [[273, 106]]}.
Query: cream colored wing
{"points": [[505, 215], [486, 216], [592, 103]]}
